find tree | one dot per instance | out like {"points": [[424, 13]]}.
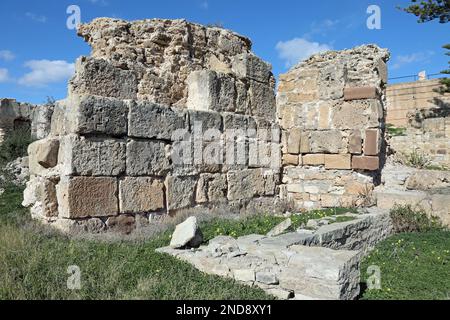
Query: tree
{"points": [[428, 11]]}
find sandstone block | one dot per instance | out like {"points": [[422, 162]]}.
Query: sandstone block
{"points": [[244, 275], [43, 154], [146, 158], [201, 121], [262, 100], [305, 143], [313, 159], [338, 161], [211, 188], [100, 78], [291, 160], [187, 234], [351, 115], [211, 91], [180, 192], [148, 120], [333, 78], [294, 139], [330, 141], [372, 142], [249, 66], [366, 163], [96, 115], [360, 93], [83, 197], [40, 194], [140, 195], [245, 184], [92, 156], [355, 142]]}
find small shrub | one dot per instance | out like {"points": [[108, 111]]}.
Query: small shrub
{"points": [[394, 131], [414, 159], [15, 145], [409, 219]]}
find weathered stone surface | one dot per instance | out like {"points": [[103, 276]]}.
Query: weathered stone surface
{"points": [[139, 195], [355, 142], [247, 65], [180, 192], [372, 142], [281, 228], [92, 156], [338, 161], [201, 122], [291, 160], [327, 141], [244, 184], [187, 234], [40, 195], [100, 78], [212, 188], [313, 159], [89, 114], [268, 278], [124, 224], [244, 275], [43, 154], [360, 114], [211, 91], [365, 163], [146, 158], [262, 100], [294, 138], [149, 120], [424, 180], [387, 199], [83, 197], [359, 93]]}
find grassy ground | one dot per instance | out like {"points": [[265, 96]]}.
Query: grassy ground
{"points": [[413, 266], [34, 262]]}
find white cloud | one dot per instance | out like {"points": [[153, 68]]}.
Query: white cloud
{"points": [[6, 55], [44, 72], [4, 75], [402, 60], [322, 28], [299, 49], [36, 17]]}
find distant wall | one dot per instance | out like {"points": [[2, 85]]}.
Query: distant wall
{"points": [[403, 98]]}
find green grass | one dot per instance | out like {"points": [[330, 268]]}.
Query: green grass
{"points": [[413, 266], [34, 262], [264, 223], [395, 131]]}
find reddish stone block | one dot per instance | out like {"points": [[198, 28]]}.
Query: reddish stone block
{"points": [[360, 93], [365, 163], [372, 142]]}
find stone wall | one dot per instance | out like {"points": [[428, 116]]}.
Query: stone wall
{"points": [[14, 115], [165, 115], [408, 97], [331, 108]]}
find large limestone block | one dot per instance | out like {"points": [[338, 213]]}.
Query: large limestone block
{"points": [[187, 234], [99, 77], [323, 273], [262, 101], [212, 188], [83, 197], [211, 91], [330, 141], [387, 199], [149, 120], [43, 154], [441, 207], [146, 158], [360, 93], [92, 156], [87, 115], [333, 80], [245, 184], [40, 194], [359, 114], [338, 161], [249, 66], [141, 195], [180, 192], [205, 124]]}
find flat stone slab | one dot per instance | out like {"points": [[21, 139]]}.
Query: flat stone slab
{"points": [[305, 265]]}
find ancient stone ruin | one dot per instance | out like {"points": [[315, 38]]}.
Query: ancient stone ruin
{"points": [[164, 115], [167, 115], [15, 115]]}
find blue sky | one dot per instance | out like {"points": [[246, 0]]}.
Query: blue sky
{"points": [[37, 50]]}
